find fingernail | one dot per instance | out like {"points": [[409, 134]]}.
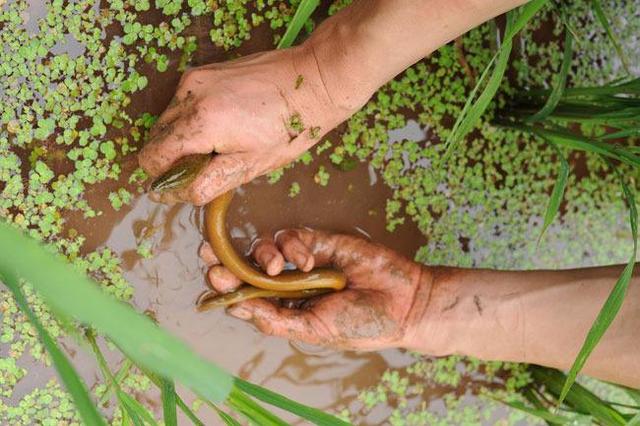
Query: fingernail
{"points": [[240, 312], [266, 259], [301, 260]]}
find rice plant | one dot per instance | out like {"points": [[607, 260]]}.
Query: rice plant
{"points": [[551, 115]]}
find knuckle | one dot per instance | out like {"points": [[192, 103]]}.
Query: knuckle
{"points": [[197, 195]]}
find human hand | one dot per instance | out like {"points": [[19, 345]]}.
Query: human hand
{"points": [[376, 310], [257, 113]]}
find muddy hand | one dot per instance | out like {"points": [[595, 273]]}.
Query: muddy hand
{"points": [[257, 113], [375, 311]]}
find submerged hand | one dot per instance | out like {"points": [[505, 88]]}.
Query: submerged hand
{"points": [[377, 310], [257, 113]]}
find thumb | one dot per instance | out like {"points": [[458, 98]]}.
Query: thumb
{"points": [[291, 324], [223, 173]]}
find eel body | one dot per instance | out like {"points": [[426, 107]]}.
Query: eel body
{"points": [[289, 284]]}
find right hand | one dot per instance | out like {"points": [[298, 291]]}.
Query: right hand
{"points": [[380, 307], [245, 111]]}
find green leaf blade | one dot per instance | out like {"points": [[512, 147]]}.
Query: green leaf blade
{"points": [[169, 402], [265, 395], [304, 11], [613, 303], [557, 194], [72, 381], [560, 83], [135, 334]]}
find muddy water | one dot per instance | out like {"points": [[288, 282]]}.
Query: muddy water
{"points": [[168, 283]]}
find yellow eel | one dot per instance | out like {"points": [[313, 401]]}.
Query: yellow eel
{"points": [[289, 284]]}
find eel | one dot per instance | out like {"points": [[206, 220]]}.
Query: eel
{"points": [[289, 284]]}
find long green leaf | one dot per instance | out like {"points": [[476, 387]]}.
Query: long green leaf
{"points": [[635, 420], [525, 14], [472, 112], [541, 413], [581, 143], [168, 395], [133, 408], [136, 410], [557, 194], [119, 376], [633, 393], [265, 395], [473, 109], [227, 419], [188, 412], [253, 411], [304, 11], [72, 381], [579, 399], [69, 291], [559, 84], [604, 21], [158, 381], [614, 301], [622, 134]]}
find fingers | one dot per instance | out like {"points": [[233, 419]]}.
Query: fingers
{"points": [[266, 253], [180, 131], [294, 250], [222, 280], [223, 173], [205, 252], [323, 248], [300, 325]]}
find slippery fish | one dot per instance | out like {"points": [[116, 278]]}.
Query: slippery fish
{"points": [[289, 284]]}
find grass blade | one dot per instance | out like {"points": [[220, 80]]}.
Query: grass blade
{"points": [[253, 411], [168, 395], [614, 301], [72, 381], [135, 411], [557, 194], [635, 420], [120, 375], [559, 84], [304, 11], [541, 413], [188, 412], [526, 13], [633, 393], [579, 399], [473, 110], [604, 21], [156, 380], [626, 133], [265, 395], [227, 419], [145, 343]]}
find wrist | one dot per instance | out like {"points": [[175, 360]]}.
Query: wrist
{"points": [[470, 312], [426, 331], [346, 60]]}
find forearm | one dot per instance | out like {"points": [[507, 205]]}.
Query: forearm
{"points": [[539, 317], [365, 45]]}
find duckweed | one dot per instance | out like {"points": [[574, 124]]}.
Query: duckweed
{"points": [[67, 76]]}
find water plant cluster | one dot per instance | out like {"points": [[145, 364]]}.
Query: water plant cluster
{"points": [[70, 71]]}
